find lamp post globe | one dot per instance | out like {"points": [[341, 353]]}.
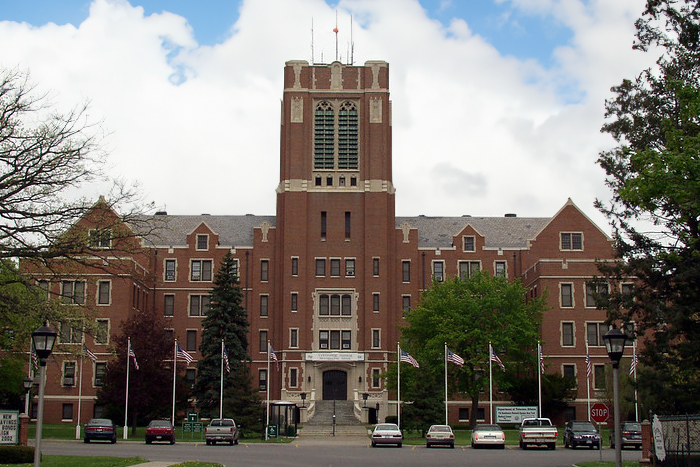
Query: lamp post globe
{"points": [[43, 340], [615, 341]]}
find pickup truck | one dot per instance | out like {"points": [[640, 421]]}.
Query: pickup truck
{"points": [[221, 430], [538, 431]]}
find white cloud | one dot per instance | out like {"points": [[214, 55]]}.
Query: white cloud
{"points": [[473, 130]]}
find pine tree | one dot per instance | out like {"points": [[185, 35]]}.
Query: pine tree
{"points": [[226, 321]]}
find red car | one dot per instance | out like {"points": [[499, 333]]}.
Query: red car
{"points": [[160, 430]]}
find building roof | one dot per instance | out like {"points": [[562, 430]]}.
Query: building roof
{"points": [[433, 232], [498, 232]]}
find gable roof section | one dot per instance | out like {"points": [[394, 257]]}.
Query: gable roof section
{"points": [[234, 231], [498, 232]]}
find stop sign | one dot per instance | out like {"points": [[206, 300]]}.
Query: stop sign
{"points": [[600, 412]]}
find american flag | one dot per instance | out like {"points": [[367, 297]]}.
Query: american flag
{"points": [[133, 355], [539, 349], [494, 358], [405, 357], [90, 355], [228, 368], [589, 369], [271, 354], [184, 355], [454, 358], [35, 360], [635, 361]]}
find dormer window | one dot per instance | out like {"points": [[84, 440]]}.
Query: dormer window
{"points": [[202, 242], [469, 243]]}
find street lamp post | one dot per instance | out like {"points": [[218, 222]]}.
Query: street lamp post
{"points": [[27, 383], [615, 341], [43, 339], [303, 399], [365, 396]]}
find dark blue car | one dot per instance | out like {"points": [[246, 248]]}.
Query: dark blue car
{"points": [[100, 429]]}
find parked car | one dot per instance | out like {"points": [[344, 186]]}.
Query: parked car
{"points": [[387, 433], [631, 435], [221, 430], [538, 431], [581, 433], [160, 430], [488, 435], [100, 429], [440, 435]]}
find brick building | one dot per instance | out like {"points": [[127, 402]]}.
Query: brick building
{"points": [[328, 278]]}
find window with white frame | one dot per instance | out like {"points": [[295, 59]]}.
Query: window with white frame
{"points": [[566, 295], [70, 332], [376, 377], [376, 338], [350, 267], [264, 301], [200, 270], [568, 371], [169, 305], [405, 271], [191, 344], [593, 291], [100, 368], [293, 377], [468, 268], [100, 238], [499, 268], [170, 270], [375, 267], [295, 266], [599, 377], [595, 332], [294, 297], [571, 241], [320, 267], [375, 302], [104, 292], [199, 305], [68, 374], [202, 242], [567, 334], [264, 270], [405, 304], [294, 338], [102, 331], [262, 380], [439, 270], [73, 292], [469, 243], [67, 412], [335, 267], [262, 341]]}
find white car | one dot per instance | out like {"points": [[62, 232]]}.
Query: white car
{"points": [[440, 435], [387, 433], [488, 435]]}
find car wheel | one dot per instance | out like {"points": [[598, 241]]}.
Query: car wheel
{"points": [[399, 445], [522, 445], [172, 440], [113, 440], [235, 441], [427, 445], [452, 446], [148, 441], [208, 443], [86, 440], [552, 446], [374, 445], [503, 446]]}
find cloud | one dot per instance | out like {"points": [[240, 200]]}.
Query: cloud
{"points": [[198, 126]]}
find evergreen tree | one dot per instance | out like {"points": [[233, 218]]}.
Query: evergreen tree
{"points": [[226, 321], [653, 174]]}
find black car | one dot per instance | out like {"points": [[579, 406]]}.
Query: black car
{"points": [[581, 433], [100, 429], [631, 435]]}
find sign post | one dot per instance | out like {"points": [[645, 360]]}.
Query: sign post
{"points": [[600, 413]]}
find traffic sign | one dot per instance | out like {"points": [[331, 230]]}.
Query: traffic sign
{"points": [[600, 413]]}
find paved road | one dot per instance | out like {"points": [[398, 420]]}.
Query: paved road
{"points": [[334, 452]]}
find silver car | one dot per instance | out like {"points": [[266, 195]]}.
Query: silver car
{"points": [[440, 435], [488, 435], [387, 433]]}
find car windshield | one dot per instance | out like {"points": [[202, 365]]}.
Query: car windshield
{"points": [[441, 428], [222, 422], [159, 424], [100, 421], [632, 427], [387, 427], [536, 422], [487, 428], [583, 426]]}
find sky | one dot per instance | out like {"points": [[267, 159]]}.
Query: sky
{"points": [[497, 105]]}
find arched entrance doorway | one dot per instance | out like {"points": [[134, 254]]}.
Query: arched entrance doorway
{"points": [[335, 385]]}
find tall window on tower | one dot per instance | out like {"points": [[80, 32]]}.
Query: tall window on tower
{"points": [[336, 150]]}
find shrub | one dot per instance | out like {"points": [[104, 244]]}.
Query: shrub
{"points": [[17, 454]]}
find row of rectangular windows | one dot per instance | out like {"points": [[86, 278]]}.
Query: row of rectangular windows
{"points": [[566, 293], [594, 333]]}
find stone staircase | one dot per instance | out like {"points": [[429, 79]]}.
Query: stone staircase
{"points": [[346, 424]]}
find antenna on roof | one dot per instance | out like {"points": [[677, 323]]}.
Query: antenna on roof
{"points": [[352, 45], [335, 30]]}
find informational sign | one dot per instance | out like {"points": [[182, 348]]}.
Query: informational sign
{"points": [[658, 433], [335, 357], [272, 431], [9, 427], [600, 413], [515, 415]]}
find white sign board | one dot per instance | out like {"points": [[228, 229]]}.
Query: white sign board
{"points": [[335, 357], [514, 415], [658, 433], [9, 427]]}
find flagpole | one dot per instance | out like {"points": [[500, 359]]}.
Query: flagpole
{"points": [[267, 390], [80, 393], [636, 401], [172, 416], [588, 382], [490, 385], [126, 403], [539, 379], [29, 375], [221, 390], [445, 358], [398, 384]]}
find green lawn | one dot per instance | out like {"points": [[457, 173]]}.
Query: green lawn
{"points": [[80, 461]]}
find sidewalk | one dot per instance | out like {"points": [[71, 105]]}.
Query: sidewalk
{"points": [[155, 464]]}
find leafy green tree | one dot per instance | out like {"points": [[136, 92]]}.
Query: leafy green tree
{"points": [[467, 314], [227, 322], [654, 175], [150, 387]]}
